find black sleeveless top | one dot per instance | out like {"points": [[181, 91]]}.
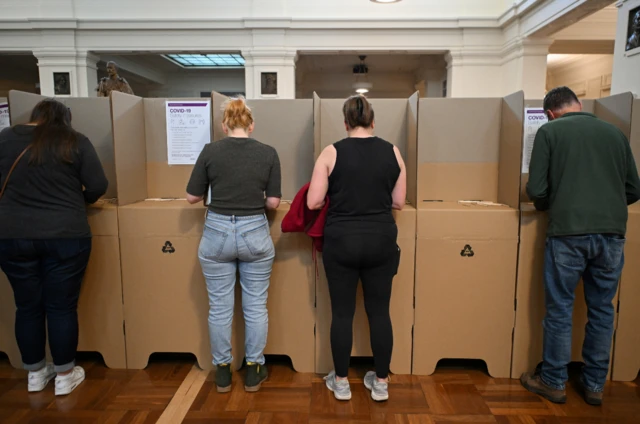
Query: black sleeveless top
{"points": [[361, 183]]}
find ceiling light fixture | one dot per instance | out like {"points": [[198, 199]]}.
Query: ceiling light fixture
{"points": [[386, 1], [361, 76]]}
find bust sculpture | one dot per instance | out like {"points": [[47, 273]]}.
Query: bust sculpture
{"points": [[634, 39], [113, 82]]}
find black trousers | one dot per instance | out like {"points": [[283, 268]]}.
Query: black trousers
{"points": [[371, 256], [46, 276]]}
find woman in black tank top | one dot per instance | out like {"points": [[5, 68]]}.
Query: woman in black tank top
{"points": [[365, 178]]}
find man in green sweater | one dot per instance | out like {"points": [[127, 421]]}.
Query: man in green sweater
{"points": [[583, 173]]}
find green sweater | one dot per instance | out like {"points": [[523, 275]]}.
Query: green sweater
{"points": [[583, 172]]}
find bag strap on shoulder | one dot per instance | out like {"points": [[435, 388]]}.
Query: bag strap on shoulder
{"points": [[4, 186]]}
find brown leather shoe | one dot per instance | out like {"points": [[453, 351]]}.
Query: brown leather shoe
{"points": [[592, 398], [534, 384]]}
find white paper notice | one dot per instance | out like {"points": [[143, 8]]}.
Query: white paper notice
{"points": [[188, 130], [4, 116], [534, 118]]}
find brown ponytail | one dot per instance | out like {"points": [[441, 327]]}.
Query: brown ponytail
{"points": [[53, 136], [358, 112], [237, 114]]}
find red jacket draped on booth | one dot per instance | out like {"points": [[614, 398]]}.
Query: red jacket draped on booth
{"points": [[300, 219]]}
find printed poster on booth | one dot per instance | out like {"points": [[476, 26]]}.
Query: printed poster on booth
{"points": [[4, 116], [534, 118], [188, 130]]}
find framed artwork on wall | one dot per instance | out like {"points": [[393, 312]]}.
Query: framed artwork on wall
{"points": [[633, 29], [269, 83], [62, 83]]}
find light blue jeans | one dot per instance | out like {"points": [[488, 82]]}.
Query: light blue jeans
{"points": [[230, 244]]}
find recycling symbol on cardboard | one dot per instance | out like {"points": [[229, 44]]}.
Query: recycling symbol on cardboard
{"points": [[467, 251], [168, 248]]}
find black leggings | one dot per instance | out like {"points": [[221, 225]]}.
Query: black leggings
{"points": [[372, 258]]}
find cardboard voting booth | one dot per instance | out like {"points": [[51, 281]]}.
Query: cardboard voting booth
{"points": [[165, 296], [100, 311], [164, 293], [396, 122], [469, 150], [626, 359], [288, 126], [530, 308]]}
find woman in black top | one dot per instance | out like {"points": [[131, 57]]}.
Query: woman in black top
{"points": [[45, 240], [364, 178]]}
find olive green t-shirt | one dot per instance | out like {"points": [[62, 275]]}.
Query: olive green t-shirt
{"points": [[241, 172], [583, 172]]}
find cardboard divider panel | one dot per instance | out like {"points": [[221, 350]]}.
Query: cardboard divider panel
{"points": [[395, 121], [100, 310], [21, 104], [130, 147], [458, 160], [626, 361], [466, 253]]}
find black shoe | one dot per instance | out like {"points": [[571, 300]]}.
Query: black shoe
{"points": [[534, 384], [223, 378], [254, 377]]}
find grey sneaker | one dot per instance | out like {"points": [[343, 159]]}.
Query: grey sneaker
{"points": [[340, 388], [379, 389]]}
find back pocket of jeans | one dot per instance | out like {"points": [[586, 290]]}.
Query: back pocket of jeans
{"points": [[615, 250], [212, 243], [570, 251], [258, 240]]}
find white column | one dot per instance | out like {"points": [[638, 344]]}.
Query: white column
{"points": [[473, 73], [80, 65], [525, 67], [280, 62]]}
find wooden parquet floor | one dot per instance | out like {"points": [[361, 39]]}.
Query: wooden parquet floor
{"points": [[448, 396]]}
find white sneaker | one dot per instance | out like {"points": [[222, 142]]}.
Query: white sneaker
{"points": [[340, 388], [379, 389], [66, 384], [38, 380]]}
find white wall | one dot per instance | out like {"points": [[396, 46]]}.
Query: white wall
{"points": [[480, 35], [192, 83], [588, 75], [339, 85], [626, 65]]}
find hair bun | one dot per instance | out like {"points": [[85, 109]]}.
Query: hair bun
{"points": [[237, 114]]}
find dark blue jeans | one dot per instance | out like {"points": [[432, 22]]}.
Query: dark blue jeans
{"points": [[597, 259], [46, 276]]}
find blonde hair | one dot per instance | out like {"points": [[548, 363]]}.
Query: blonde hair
{"points": [[237, 114]]}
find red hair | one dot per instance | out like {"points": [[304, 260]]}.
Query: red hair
{"points": [[237, 114]]}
